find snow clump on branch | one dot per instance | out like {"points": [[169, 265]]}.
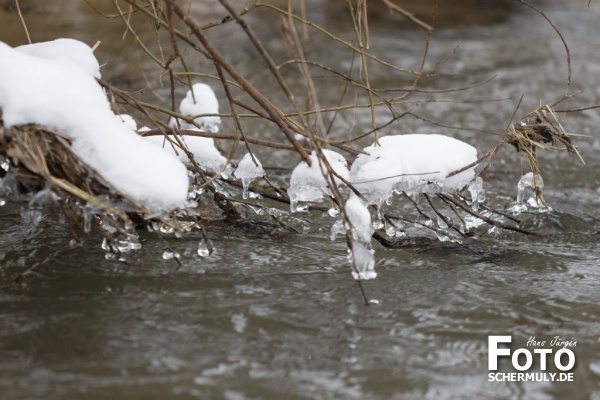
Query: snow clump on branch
{"points": [[53, 84]]}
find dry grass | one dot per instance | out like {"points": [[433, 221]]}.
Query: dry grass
{"points": [[539, 130], [43, 159]]}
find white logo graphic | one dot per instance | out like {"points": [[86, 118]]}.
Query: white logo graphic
{"points": [[554, 354]]}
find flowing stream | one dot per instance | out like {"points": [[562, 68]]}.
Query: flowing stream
{"points": [[280, 317]]}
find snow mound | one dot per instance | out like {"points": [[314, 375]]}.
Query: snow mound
{"points": [[65, 50], [128, 121], [201, 99], [376, 173], [203, 150], [60, 94], [414, 163], [307, 182]]}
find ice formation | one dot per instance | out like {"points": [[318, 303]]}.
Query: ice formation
{"points": [[376, 173], [529, 180], [57, 89], [477, 193], [360, 253], [199, 100], [307, 182], [414, 163], [248, 169]]}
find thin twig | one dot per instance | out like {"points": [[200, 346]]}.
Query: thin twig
{"points": [[23, 21], [408, 15]]}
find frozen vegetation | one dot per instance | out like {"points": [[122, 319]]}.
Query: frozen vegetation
{"points": [[413, 163], [198, 102], [54, 84], [360, 228], [308, 182], [248, 169]]}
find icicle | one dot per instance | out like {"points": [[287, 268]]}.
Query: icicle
{"points": [[249, 168], [529, 180], [477, 193], [293, 204], [360, 251]]}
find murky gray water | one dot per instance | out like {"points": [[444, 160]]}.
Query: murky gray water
{"points": [[281, 317]]}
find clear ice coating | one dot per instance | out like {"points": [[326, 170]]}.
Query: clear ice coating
{"points": [[8, 186], [338, 228], [307, 182], [477, 193], [471, 222], [249, 168], [295, 207], [333, 212], [4, 163], [39, 204], [121, 244], [360, 252], [529, 180], [205, 248], [441, 222], [195, 193], [169, 255]]}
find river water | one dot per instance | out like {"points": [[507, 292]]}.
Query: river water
{"points": [[272, 317]]}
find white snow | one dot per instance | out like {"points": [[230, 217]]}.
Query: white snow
{"points": [[206, 155], [376, 174], [248, 169], [128, 121], [360, 218], [65, 50], [307, 182], [203, 149], [414, 163], [201, 99], [58, 90]]}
